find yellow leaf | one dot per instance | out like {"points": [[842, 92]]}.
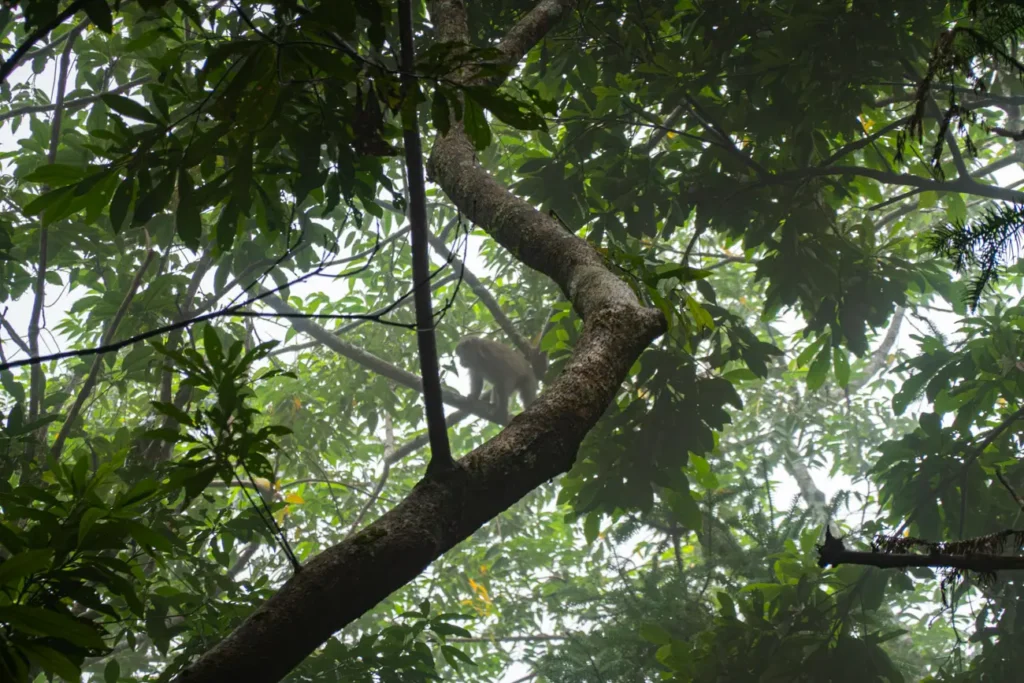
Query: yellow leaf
{"points": [[294, 498]]}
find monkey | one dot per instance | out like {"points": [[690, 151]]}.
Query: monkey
{"points": [[505, 369]]}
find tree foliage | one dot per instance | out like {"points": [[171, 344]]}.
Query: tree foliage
{"points": [[211, 411]]}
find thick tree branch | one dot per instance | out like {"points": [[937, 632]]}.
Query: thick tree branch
{"points": [[980, 562], [348, 579], [532, 28]]}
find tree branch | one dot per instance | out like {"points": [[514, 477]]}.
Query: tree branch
{"points": [[430, 374], [97, 361], [960, 185], [37, 382], [370, 361], [12, 62], [71, 105], [344, 581]]}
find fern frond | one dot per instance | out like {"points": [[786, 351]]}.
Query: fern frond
{"points": [[985, 243]]}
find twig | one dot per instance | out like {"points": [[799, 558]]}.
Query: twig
{"points": [[1013, 494], [37, 382], [974, 454], [227, 311], [14, 333], [370, 501], [90, 380], [243, 558], [71, 105], [348, 327], [11, 63], [486, 298]]}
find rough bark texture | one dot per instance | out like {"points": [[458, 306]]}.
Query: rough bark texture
{"points": [[348, 579]]}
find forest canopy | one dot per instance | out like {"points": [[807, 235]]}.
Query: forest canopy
{"points": [[745, 273]]}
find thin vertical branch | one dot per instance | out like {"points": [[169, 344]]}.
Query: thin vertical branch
{"points": [[97, 361], [37, 386], [440, 449], [156, 450]]}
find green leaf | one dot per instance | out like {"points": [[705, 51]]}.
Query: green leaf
{"points": [[51, 203], [454, 652], [592, 526], [808, 353], [440, 113], [685, 507], [12, 386], [51, 661], [683, 273], [143, 490], [655, 634], [450, 630], [149, 537], [873, 588], [172, 411], [212, 345], [241, 182], [111, 672], [197, 483], [46, 622], [89, 517], [189, 11], [9, 539], [23, 564], [57, 174], [128, 107], [841, 366], [119, 205], [728, 606], [204, 144], [156, 200], [740, 375], [99, 13], [819, 368], [507, 109], [476, 126], [187, 221], [227, 226]]}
